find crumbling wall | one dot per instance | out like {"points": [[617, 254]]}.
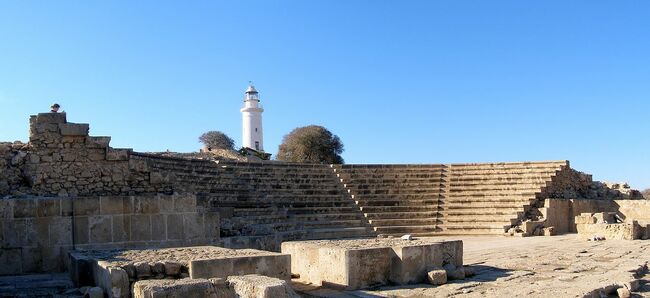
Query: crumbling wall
{"points": [[571, 184], [561, 213], [12, 160], [37, 233], [63, 160]]}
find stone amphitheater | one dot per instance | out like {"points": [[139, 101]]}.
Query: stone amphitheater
{"points": [[82, 218]]}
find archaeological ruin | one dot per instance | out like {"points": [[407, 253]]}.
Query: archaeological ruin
{"points": [[122, 223]]}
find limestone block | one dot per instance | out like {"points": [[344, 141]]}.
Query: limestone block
{"points": [[623, 293], [142, 270], [172, 268], [141, 227], [185, 203], [97, 142], [48, 207], [437, 276], [585, 218], [114, 205], [86, 206], [121, 228], [24, 208], [549, 231], [43, 118], [193, 226], [264, 263], [174, 226], [10, 261], [604, 217], [355, 264], [146, 204], [73, 129], [113, 280], [186, 288], [118, 154], [100, 229], [258, 286]]}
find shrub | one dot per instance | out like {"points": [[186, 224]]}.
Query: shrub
{"points": [[217, 140], [311, 144]]}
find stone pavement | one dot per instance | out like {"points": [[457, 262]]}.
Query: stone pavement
{"points": [[559, 266]]}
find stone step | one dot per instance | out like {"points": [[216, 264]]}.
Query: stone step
{"points": [[35, 285], [379, 181], [480, 219], [393, 186], [328, 216], [491, 193], [259, 219], [328, 233], [404, 222], [328, 209], [418, 196], [450, 206], [406, 214], [503, 172], [528, 182], [428, 191], [509, 165], [525, 199], [488, 228], [396, 202], [406, 229], [496, 188], [377, 209], [396, 176], [481, 211], [333, 223]]}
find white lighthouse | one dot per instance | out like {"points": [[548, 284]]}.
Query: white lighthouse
{"points": [[252, 134]]}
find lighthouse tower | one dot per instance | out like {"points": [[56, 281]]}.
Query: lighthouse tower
{"points": [[252, 134]]}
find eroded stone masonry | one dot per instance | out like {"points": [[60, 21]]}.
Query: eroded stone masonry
{"points": [[66, 193]]}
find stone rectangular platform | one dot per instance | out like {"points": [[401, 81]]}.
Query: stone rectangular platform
{"points": [[360, 263], [116, 270]]}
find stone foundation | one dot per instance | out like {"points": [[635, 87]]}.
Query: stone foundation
{"points": [[37, 233], [356, 264], [603, 225], [116, 270]]}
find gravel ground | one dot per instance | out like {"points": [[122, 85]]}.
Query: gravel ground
{"points": [[558, 266]]}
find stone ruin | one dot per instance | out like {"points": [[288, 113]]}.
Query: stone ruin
{"points": [[68, 196]]}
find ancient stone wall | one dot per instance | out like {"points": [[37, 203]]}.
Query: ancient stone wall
{"points": [[560, 213], [573, 184], [36, 233], [63, 160]]}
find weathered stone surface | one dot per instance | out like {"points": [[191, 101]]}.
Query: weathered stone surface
{"points": [[73, 129], [186, 288], [437, 276], [355, 264], [260, 287]]}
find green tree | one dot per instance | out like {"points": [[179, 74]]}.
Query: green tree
{"points": [[311, 144], [217, 140]]}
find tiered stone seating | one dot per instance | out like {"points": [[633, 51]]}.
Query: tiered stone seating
{"points": [[397, 199], [305, 201], [423, 200], [295, 201], [488, 198]]}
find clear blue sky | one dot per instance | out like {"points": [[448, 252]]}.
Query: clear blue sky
{"points": [[398, 81]]}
